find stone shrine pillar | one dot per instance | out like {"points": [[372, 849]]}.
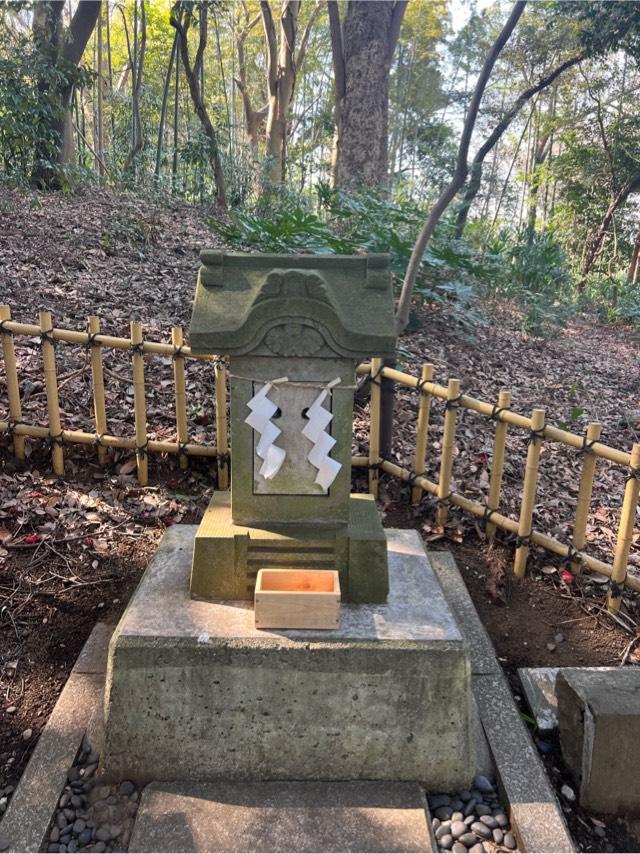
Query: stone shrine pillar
{"points": [[295, 328]]}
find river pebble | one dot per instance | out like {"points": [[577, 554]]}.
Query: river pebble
{"points": [[473, 820]]}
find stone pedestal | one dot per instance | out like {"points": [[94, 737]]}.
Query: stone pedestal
{"points": [[195, 692]]}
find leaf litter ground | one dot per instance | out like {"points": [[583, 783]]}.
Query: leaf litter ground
{"points": [[72, 551]]}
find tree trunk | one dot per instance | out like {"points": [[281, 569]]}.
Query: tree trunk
{"points": [[136, 60], [632, 275], [54, 45], [181, 16], [362, 47], [460, 174]]}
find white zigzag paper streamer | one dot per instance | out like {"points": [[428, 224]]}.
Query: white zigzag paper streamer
{"points": [[262, 410], [319, 419]]}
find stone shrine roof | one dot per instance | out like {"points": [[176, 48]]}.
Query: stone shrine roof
{"points": [[293, 305]]}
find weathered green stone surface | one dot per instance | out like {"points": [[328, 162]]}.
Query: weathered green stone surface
{"points": [[293, 305], [227, 557]]}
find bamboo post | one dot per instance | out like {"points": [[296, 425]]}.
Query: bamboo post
{"points": [[422, 434], [13, 386], [222, 430], [51, 388], [140, 409], [374, 428], [529, 492], [584, 493], [446, 459], [625, 531], [497, 462], [97, 381], [182, 432]]}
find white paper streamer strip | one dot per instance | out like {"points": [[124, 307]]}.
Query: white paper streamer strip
{"points": [[318, 419], [262, 410]]}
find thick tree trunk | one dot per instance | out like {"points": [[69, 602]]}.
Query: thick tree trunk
{"points": [[363, 46], [632, 275], [54, 45]]}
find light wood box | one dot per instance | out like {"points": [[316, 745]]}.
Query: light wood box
{"points": [[297, 599]]}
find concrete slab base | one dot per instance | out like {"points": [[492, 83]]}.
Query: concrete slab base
{"points": [[265, 817], [599, 725], [539, 686], [195, 692]]}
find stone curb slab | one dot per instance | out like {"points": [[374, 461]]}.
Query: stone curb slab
{"points": [[282, 817], [25, 823]]}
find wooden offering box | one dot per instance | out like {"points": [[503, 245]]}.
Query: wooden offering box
{"points": [[297, 599]]}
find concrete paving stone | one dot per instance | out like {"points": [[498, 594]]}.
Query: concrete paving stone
{"points": [[539, 686], [534, 811], [283, 817], [94, 654], [599, 726], [386, 695]]}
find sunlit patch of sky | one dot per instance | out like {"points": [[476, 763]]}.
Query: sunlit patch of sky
{"points": [[461, 11]]}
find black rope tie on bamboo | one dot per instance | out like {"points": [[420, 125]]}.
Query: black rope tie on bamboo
{"points": [[55, 440], [374, 378], [178, 352], [534, 435], [183, 449], [444, 501], [138, 348], [616, 590], [47, 337], [587, 445], [634, 474], [91, 340], [375, 466], [496, 412], [487, 514], [523, 541], [3, 327], [453, 403], [141, 450], [420, 386], [97, 440], [223, 459], [573, 555], [414, 477]]}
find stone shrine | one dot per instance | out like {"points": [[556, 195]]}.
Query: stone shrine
{"points": [[312, 320], [194, 691]]}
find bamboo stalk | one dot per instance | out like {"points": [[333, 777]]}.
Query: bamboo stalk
{"points": [[97, 378], [51, 388], [222, 430], [140, 409], [529, 491], [497, 461], [446, 458], [374, 427], [13, 385], [422, 430], [584, 493], [509, 525], [181, 392], [625, 532], [73, 336]]}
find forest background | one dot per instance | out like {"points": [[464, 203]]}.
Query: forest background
{"points": [[334, 127]]}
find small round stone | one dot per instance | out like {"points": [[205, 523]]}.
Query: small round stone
{"points": [[443, 813], [86, 836], [435, 824], [482, 784], [489, 820], [459, 848], [90, 770], [498, 835], [443, 830], [456, 805], [78, 826], [481, 830], [478, 848], [52, 848], [456, 816], [69, 813], [469, 819], [502, 820], [103, 833], [4, 843], [72, 847], [54, 836], [482, 809], [99, 847], [468, 839], [509, 841], [446, 841], [458, 828], [64, 800], [435, 801], [600, 831], [61, 820], [116, 830], [127, 788], [465, 795], [73, 774], [470, 807], [568, 793]]}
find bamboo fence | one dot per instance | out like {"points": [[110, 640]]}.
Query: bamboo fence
{"points": [[500, 413]]}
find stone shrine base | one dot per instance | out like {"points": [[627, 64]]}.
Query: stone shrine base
{"points": [[195, 692]]}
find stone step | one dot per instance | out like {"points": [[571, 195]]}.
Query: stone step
{"points": [[284, 816]]}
